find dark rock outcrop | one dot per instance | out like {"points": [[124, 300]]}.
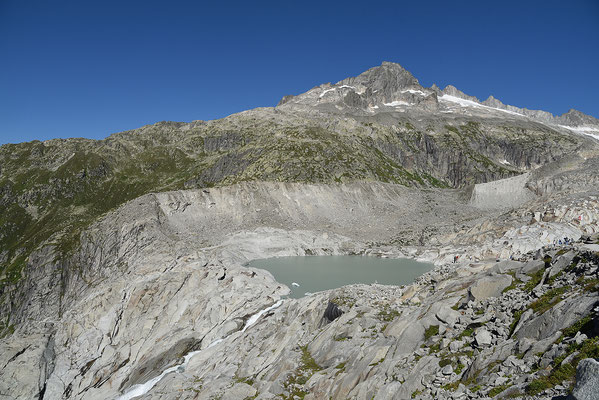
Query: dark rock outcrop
{"points": [[332, 312]]}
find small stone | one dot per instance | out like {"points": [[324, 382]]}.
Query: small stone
{"points": [[455, 345], [447, 370], [580, 337], [501, 380]]}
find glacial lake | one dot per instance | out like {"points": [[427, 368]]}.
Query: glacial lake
{"points": [[317, 273]]}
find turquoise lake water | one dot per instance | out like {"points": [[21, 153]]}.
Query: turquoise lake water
{"points": [[317, 273]]}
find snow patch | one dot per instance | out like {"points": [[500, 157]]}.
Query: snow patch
{"points": [[335, 88], [254, 318], [396, 103], [414, 91], [470, 103], [584, 130]]}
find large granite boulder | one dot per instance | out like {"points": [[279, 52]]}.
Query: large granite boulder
{"points": [[587, 380]]}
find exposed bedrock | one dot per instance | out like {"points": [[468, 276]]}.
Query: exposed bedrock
{"points": [[163, 276]]}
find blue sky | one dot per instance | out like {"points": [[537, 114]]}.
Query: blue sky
{"points": [[92, 68]]}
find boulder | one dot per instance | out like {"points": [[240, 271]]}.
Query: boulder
{"points": [[532, 266], [541, 346], [447, 370], [489, 286], [507, 265], [448, 316], [591, 247], [409, 332], [561, 263], [559, 317], [587, 380], [426, 366], [483, 337], [455, 345]]}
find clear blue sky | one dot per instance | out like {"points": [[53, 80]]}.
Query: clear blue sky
{"points": [[92, 68]]}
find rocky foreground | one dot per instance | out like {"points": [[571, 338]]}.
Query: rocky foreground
{"points": [[159, 303], [466, 331]]}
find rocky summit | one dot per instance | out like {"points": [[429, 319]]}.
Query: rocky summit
{"points": [[123, 261]]}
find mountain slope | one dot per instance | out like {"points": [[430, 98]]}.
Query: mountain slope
{"points": [[380, 126], [110, 288]]}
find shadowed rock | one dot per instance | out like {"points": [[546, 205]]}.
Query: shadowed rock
{"points": [[332, 312]]}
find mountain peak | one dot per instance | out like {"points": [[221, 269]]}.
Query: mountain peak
{"points": [[389, 87], [451, 90], [386, 85], [386, 76], [577, 118]]}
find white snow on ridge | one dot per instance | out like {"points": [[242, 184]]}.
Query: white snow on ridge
{"points": [[335, 88], [326, 91], [470, 103], [414, 91], [460, 101], [396, 103], [584, 130]]}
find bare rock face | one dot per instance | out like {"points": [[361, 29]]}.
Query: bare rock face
{"points": [[546, 324], [489, 286], [169, 316], [587, 380], [27, 364]]}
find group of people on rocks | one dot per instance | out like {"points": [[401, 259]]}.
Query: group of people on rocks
{"points": [[564, 241]]}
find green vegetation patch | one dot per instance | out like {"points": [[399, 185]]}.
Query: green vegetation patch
{"points": [[387, 314], [296, 381], [515, 282], [308, 363], [579, 326], [549, 299], [6, 329], [431, 331], [565, 373], [247, 380], [535, 279], [496, 390], [517, 316], [444, 362], [466, 333]]}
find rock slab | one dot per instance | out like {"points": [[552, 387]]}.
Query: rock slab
{"points": [[587, 380]]}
